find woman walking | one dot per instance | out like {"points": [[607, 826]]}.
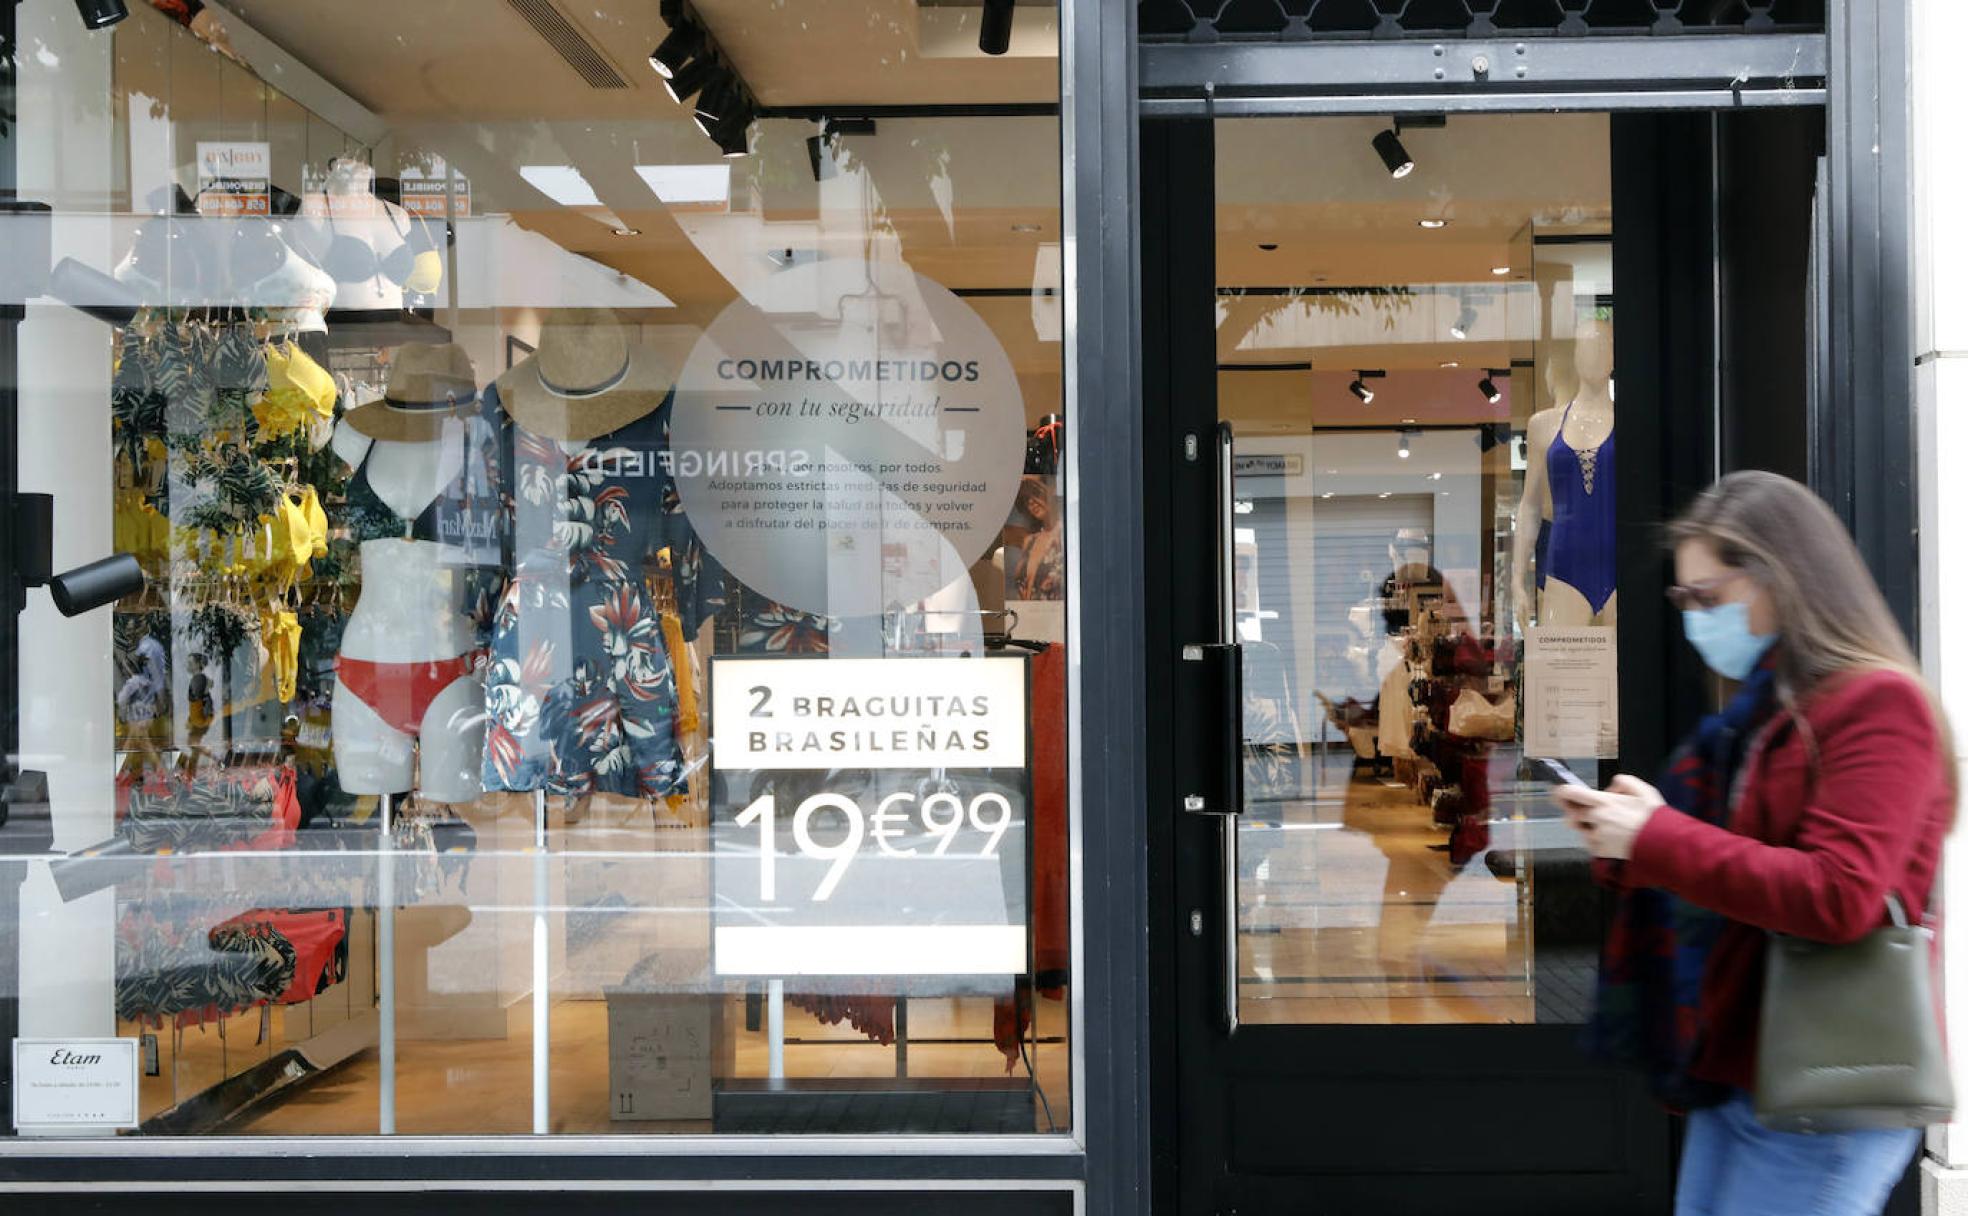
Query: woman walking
{"points": [[1824, 787]]}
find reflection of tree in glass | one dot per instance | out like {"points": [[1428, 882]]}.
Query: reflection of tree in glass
{"points": [[1235, 324]]}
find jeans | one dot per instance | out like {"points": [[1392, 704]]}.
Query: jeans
{"points": [[1731, 1165]]}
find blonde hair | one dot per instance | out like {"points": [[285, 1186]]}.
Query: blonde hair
{"points": [[1830, 612]]}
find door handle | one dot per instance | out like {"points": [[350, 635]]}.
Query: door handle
{"points": [[1221, 689], [1227, 654]]}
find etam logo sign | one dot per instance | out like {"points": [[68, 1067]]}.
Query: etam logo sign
{"points": [[62, 1057], [234, 160], [75, 1083]]}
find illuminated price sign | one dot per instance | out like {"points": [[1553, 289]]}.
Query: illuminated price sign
{"points": [[870, 816]]}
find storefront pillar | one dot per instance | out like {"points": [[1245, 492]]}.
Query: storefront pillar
{"points": [[1940, 270]]}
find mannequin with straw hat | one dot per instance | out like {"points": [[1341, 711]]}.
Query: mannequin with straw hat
{"points": [[408, 681], [581, 695]]}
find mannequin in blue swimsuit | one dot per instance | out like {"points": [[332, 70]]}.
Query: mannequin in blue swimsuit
{"points": [[1566, 565]]}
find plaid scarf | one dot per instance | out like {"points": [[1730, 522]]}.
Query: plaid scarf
{"points": [[1656, 949]]}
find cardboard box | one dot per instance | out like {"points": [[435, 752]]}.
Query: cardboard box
{"points": [[660, 1047]]}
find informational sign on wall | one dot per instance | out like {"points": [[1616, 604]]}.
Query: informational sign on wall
{"points": [[870, 816], [1571, 703], [848, 437], [75, 1083], [234, 179], [433, 190]]}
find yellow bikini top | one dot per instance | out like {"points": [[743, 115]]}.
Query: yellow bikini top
{"points": [[299, 391]]}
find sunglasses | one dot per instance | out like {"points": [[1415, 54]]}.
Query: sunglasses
{"points": [[1707, 593]]}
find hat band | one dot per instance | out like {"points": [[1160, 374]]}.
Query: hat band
{"points": [[423, 407], [576, 394]]}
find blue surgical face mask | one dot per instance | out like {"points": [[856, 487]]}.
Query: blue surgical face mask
{"points": [[1723, 637]]}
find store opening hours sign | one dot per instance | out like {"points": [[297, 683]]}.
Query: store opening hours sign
{"points": [[870, 817]]}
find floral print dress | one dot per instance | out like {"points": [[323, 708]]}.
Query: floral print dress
{"points": [[581, 693]]}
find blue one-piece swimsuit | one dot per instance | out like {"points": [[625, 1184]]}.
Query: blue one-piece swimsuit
{"points": [[1583, 552]]}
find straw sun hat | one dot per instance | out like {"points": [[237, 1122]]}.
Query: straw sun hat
{"points": [[428, 384], [588, 378]]}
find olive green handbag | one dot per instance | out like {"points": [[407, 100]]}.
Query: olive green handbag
{"points": [[1850, 1037]]}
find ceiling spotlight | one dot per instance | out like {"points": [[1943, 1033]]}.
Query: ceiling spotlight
{"points": [[1359, 386], [682, 44], [733, 133], [690, 78], [1432, 224], [101, 14], [1488, 387], [994, 36], [1451, 363], [1499, 270], [1392, 154], [626, 231], [1405, 450], [716, 103], [1464, 322]]}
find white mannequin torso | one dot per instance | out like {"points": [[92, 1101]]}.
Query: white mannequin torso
{"points": [[410, 607], [407, 476]]}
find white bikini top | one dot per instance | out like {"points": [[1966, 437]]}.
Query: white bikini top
{"points": [[301, 290]]}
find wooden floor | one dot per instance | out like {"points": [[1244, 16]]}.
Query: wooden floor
{"points": [[1351, 913]]}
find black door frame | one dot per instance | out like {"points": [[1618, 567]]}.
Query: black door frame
{"points": [[1410, 1086]]}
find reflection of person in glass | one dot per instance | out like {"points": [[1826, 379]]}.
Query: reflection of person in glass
{"points": [[1040, 569], [1431, 654]]}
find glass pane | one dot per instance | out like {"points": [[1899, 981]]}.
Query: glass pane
{"points": [[1413, 343], [599, 661]]}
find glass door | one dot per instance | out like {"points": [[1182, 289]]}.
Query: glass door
{"points": [[1414, 520]]}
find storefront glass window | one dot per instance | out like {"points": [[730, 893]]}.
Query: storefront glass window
{"points": [[1414, 345], [587, 650]]}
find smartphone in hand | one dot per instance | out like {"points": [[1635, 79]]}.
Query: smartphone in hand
{"points": [[1554, 772]]}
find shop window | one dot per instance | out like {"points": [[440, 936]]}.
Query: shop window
{"points": [[598, 664]]}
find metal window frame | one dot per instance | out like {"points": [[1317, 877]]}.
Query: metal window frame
{"points": [[1103, 1159]]}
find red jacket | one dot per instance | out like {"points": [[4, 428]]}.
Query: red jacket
{"points": [[1813, 856]]}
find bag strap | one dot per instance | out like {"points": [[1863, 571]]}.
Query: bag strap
{"points": [[1896, 910]]}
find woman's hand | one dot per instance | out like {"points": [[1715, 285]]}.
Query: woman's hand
{"points": [[1610, 819]]}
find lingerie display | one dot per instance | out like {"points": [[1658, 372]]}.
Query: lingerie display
{"points": [[1582, 547], [401, 693]]}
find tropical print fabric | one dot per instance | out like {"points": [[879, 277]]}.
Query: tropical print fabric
{"points": [[749, 623], [581, 694], [240, 808], [169, 966]]}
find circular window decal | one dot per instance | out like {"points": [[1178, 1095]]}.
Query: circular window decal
{"points": [[848, 439]]}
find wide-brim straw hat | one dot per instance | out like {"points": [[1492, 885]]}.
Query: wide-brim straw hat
{"points": [[589, 378], [428, 385]]}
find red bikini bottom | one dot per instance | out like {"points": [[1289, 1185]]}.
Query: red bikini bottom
{"points": [[400, 693]]}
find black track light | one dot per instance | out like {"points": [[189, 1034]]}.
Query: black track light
{"points": [[733, 133], [101, 14], [1392, 154], [1489, 389], [1359, 386], [679, 46], [716, 103], [994, 36], [691, 78]]}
